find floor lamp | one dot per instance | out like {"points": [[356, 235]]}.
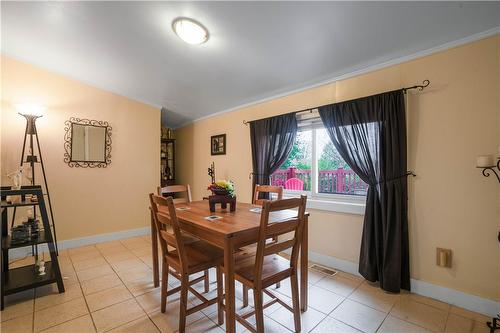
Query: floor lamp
{"points": [[32, 113]]}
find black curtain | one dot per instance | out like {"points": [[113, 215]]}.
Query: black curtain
{"points": [[370, 134], [272, 140]]}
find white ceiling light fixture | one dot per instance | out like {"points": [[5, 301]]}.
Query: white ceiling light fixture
{"points": [[190, 31]]}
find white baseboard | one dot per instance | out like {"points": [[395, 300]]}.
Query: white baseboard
{"points": [[470, 302], [77, 242]]}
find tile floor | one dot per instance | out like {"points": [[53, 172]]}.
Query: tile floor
{"points": [[109, 288]]}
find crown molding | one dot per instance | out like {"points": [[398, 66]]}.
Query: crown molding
{"points": [[443, 47]]}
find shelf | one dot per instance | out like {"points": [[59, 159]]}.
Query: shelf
{"points": [[6, 241], [23, 278], [5, 204]]}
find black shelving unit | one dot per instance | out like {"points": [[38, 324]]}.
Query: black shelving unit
{"points": [[26, 277]]}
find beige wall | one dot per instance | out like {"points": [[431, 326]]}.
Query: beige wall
{"points": [[451, 204], [86, 201]]}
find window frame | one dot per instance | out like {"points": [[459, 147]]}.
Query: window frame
{"points": [[342, 203]]}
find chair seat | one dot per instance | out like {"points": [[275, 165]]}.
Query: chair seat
{"points": [[200, 256], [274, 269]]}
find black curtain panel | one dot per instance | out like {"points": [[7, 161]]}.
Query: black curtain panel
{"points": [[272, 140], [370, 134]]}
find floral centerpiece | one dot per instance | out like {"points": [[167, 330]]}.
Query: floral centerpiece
{"points": [[222, 187]]}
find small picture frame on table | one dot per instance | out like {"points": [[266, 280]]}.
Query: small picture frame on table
{"points": [[218, 144]]}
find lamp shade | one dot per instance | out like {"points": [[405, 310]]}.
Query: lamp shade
{"points": [[28, 109]]}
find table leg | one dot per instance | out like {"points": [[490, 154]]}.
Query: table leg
{"points": [[304, 261], [154, 245], [229, 285]]}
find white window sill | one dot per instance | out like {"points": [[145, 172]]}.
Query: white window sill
{"points": [[349, 206]]}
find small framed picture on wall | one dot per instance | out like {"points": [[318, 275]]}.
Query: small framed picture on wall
{"points": [[218, 144]]}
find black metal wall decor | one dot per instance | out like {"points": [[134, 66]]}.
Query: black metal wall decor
{"points": [[70, 157], [487, 170]]}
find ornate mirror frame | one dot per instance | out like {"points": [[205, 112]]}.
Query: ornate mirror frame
{"points": [[68, 127]]}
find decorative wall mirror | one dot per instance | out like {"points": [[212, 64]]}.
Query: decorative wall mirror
{"points": [[87, 143]]}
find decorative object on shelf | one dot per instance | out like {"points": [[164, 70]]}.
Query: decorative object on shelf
{"points": [[488, 164], [223, 193], [218, 144], [87, 143], [167, 162], [211, 172], [41, 268], [31, 113]]}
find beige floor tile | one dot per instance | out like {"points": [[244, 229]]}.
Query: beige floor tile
{"points": [[359, 316], [339, 285], [23, 324], [61, 313], [426, 300], [270, 326], [420, 314], [349, 276], [204, 325], [169, 321], [141, 325], [332, 325], [49, 295], [117, 315], [308, 319], [394, 325], [107, 245], [129, 264], [458, 324], [469, 314], [373, 296], [113, 250], [107, 297], [100, 283], [89, 263], [81, 324], [81, 249], [136, 274], [119, 256], [18, 305], [142, 251], [141, 286], [150, 302], [69, 277], [148, 260], [94, 272], [323, 300]]}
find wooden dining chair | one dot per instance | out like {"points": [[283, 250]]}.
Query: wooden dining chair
{"points": [[278, 190], [264, 268], [185, 196], [185, 259], [183, 190]]}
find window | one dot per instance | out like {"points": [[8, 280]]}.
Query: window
{"points": [[315, 167]]}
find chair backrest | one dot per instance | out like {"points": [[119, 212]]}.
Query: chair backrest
{"points": [[185, 190], [266, 189], [294, 184], [271, 229], [167, 238]]}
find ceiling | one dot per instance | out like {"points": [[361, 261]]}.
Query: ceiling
{"points": [[256, 49]]}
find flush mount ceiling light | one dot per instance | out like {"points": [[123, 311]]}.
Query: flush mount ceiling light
{"points": [[190, 31]]}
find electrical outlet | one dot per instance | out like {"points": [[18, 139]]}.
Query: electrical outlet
{"points": [[443, 257]]}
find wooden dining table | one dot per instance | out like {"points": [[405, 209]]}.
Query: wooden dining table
{"points": [[234, 230]]}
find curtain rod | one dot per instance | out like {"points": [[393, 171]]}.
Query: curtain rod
{"points": [[420, 87]]}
